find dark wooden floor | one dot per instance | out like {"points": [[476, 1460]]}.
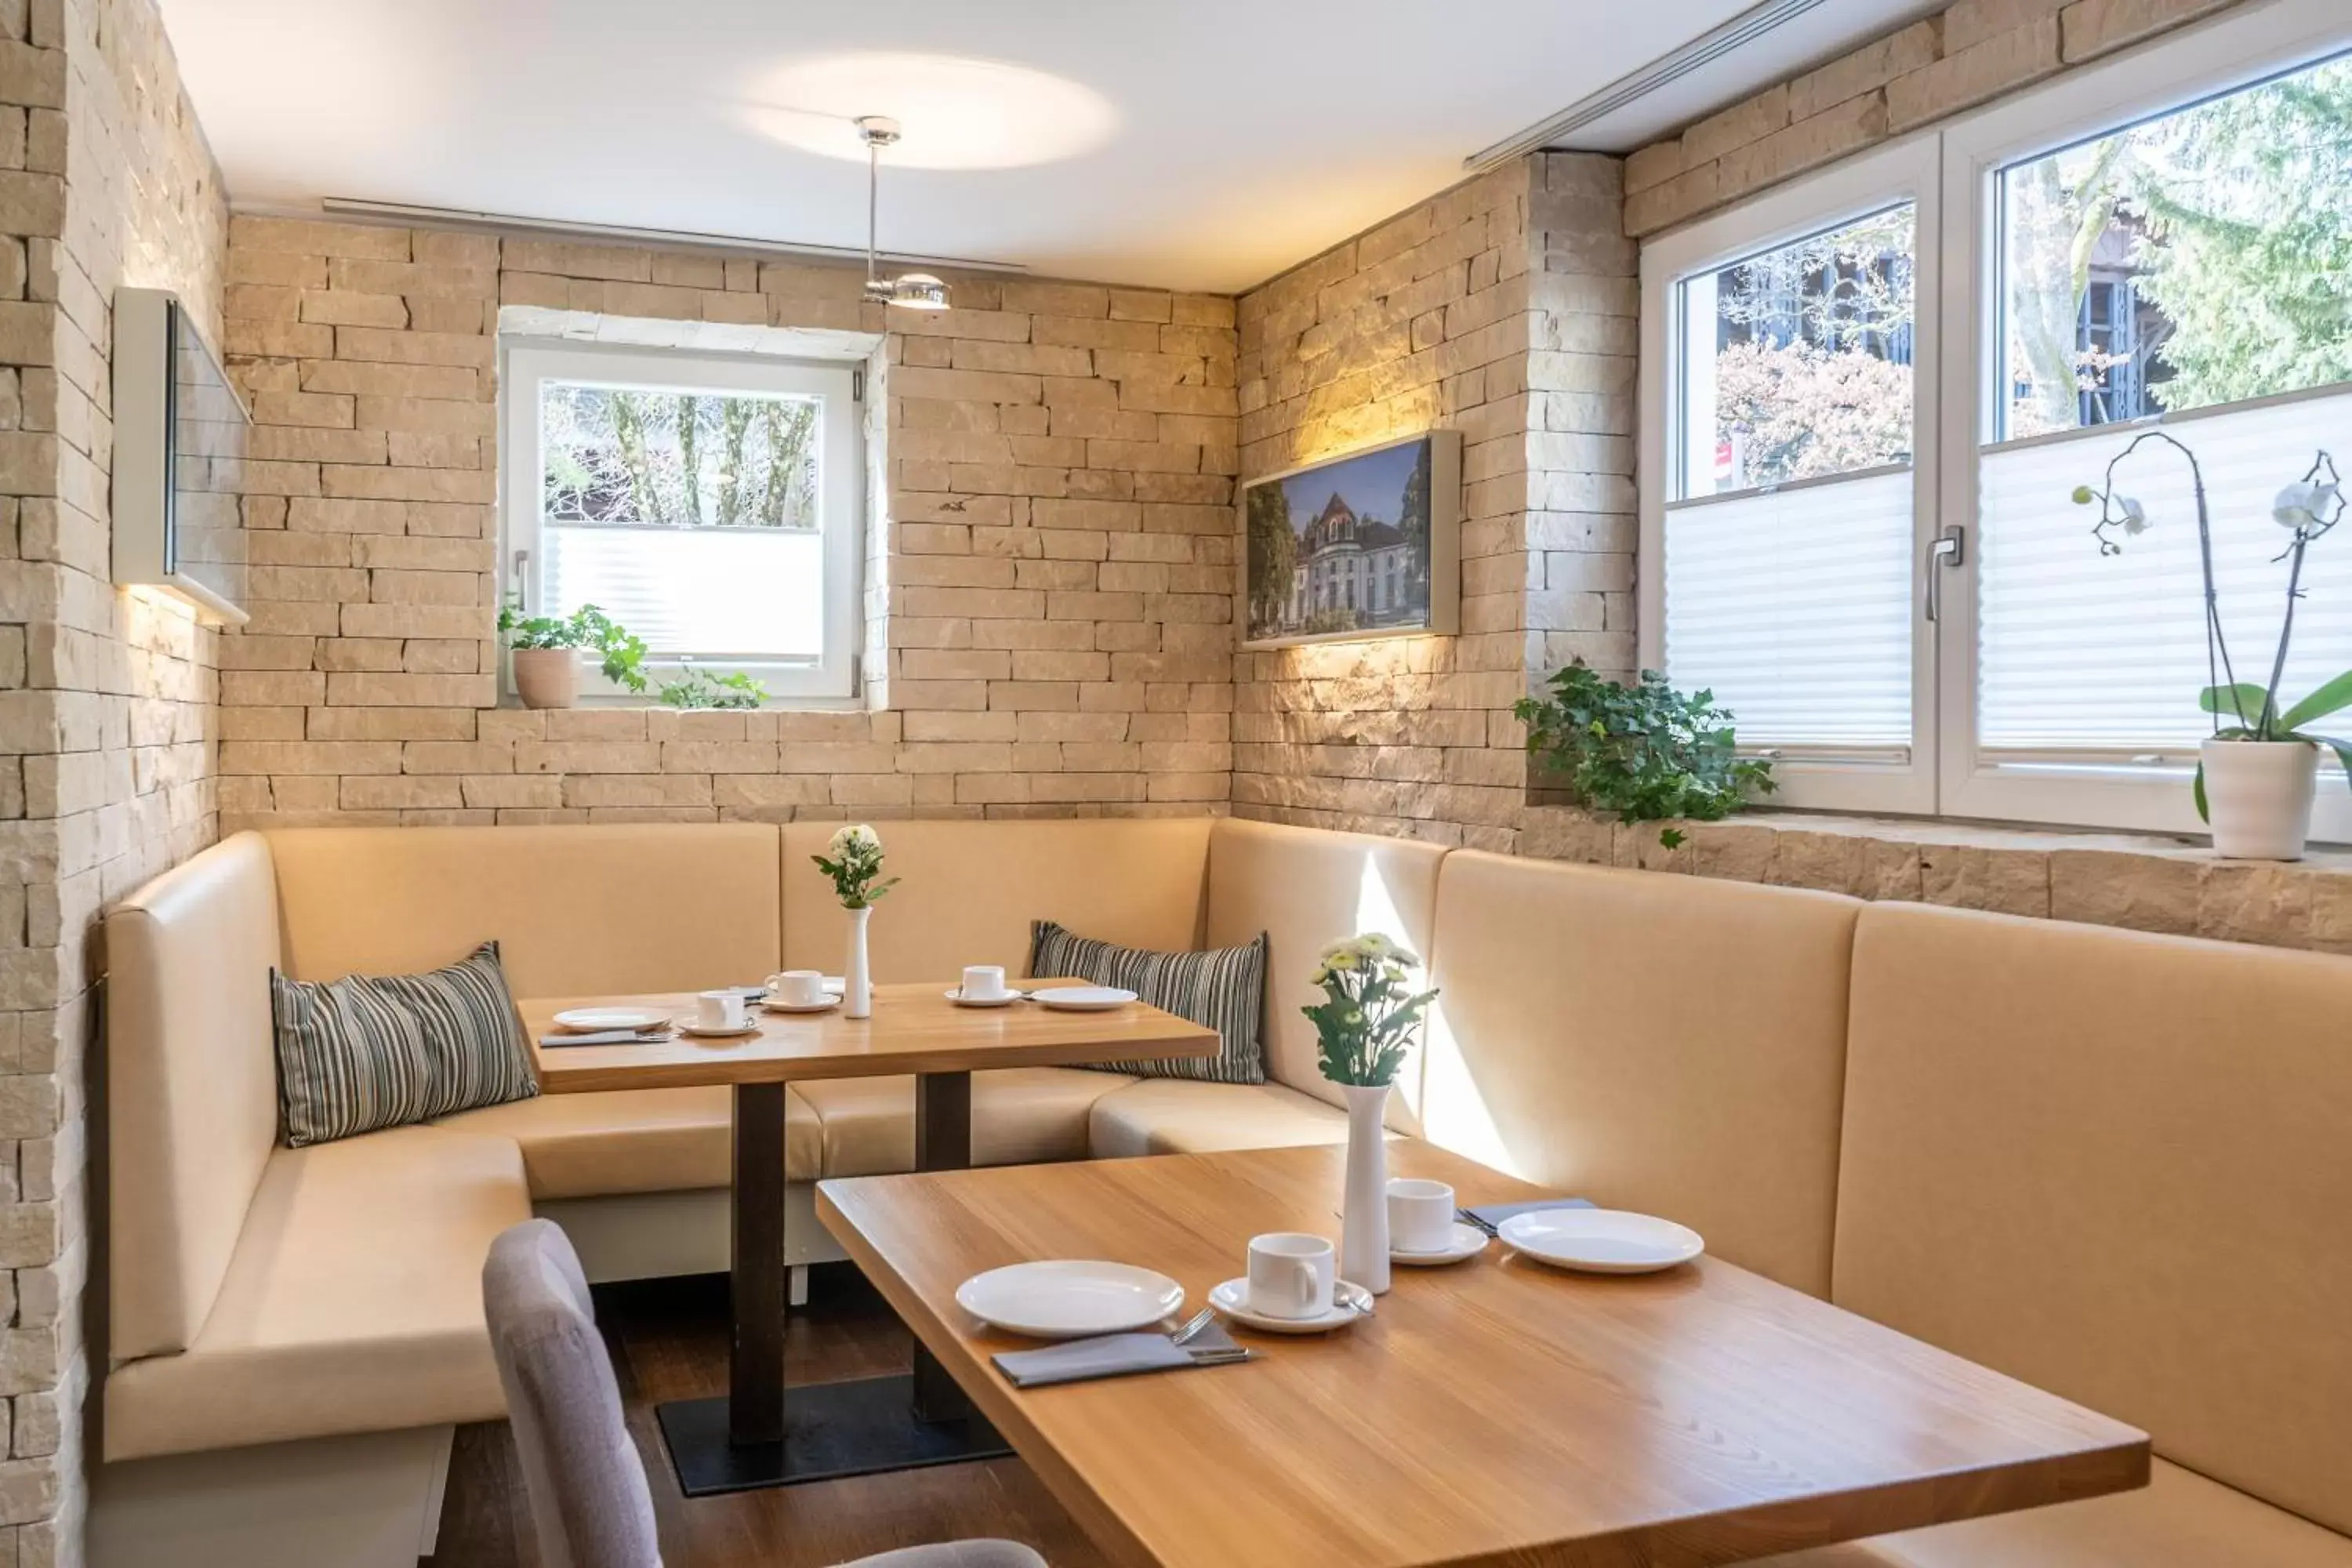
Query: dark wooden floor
{"points": [[668, 1340]]}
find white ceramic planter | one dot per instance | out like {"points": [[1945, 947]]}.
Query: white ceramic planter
{"points": [[547, 677], [2258, 797]]}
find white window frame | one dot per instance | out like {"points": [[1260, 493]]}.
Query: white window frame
{"points": [[525, 365], [1906, 171], [1951, 172], [2234, 51]]}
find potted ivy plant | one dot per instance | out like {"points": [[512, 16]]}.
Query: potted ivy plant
{"points": [[697, 687], [546, 652], [1645, 752], [2258, 771]]}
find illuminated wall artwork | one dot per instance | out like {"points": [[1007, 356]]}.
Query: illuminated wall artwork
{"points": [[1364, 545]]}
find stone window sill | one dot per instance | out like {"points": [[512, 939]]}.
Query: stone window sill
{"points": [[2146, 882]]}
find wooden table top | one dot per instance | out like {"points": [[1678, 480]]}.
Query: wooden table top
{"points": [[915, 1028], [1497, 1412]]}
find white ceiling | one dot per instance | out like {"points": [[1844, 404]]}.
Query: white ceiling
{"points": [[1219, 140]]}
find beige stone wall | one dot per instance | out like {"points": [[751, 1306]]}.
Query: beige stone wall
{"points": [[106, 695], [2113, 879], [1505, 308], [1048, 590], [1973, 52]]}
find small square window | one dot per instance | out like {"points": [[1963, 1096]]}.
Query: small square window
{"points": [[707, 502]]}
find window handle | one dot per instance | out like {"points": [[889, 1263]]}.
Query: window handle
{"points": [[522, 579], [1948, 548]]}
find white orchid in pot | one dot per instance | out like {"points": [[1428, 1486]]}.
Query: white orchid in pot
{"points": [[1364, 1027], [2258, 769]]}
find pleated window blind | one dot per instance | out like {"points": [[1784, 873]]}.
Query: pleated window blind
{"points": [[2080, 652]]}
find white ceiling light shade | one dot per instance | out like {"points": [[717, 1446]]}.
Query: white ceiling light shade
{"points": [[914, 290], [959, 113]]}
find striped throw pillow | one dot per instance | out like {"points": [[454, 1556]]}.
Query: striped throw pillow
{"points": [[1223, 989], [361, 1053]]}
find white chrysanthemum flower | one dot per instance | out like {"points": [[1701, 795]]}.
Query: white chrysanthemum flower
{"points": [[856, 836]]}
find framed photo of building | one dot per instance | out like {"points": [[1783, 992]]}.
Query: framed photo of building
{"points": [[1365, 544]]}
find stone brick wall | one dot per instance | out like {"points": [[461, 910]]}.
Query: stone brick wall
{"points": [[106, 695], [1504, 307], [2113, 879], [1972, 53], [1049, 586]]}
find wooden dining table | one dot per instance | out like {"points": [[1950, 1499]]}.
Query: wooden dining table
{"points": [[753, 1436], [1497, 1412]]}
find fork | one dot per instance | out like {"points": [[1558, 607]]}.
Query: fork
{"points": [[1193, 1326]]}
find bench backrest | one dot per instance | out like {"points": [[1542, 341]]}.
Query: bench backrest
{"points": [[2119, 1166], [968, 890], [1670, 1044], [191, 1087], [1307, 888], [576, 911]]}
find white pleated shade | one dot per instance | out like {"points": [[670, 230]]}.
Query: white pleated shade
{"points": [[1794, 608], [2084, 652], [745, 593]]}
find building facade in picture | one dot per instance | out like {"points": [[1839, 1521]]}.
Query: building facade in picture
{"points": [[1359, 546]]}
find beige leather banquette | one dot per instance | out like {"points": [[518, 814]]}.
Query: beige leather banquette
{"points": [[2112, 1164], [261, 1294]]}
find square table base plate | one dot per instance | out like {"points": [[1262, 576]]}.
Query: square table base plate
{"points": [[855, 1428]]}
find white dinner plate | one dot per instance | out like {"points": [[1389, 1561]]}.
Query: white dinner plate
{"points": [[1064, 1298], [1602, 1241], [1081, 998], [597, 1020], [1349, 1302], [699, 1033], [955, 994], [828, 1005], [1468, 1241]]}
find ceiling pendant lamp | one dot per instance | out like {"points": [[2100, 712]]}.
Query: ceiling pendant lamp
{"points": [[909, 291]]}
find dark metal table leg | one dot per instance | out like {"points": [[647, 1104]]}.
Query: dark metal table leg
{"points": [[942, 1142], [758, 1278], [860, 1426]]}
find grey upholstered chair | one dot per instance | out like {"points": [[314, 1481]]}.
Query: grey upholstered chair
{"points": [[589, 1500]]}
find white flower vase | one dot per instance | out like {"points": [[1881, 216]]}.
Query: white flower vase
{"points": [[857, 982], [1364, 1202], [2258, 797]]}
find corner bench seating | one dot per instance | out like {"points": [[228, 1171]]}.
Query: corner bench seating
{"points": [[2111, 1163]]}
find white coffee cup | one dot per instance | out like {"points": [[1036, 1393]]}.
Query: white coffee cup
{"points": [[720, 1010], [1421, 1214], [1291, 1274], [797, 987], [983, 982]]}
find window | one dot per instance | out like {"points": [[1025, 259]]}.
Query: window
{"points": [[707, 502], [1868, 549], [1797, 372]]}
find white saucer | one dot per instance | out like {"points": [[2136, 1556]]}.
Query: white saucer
{"points": [[597, 1020], [828, 1005], [1069, 1298], [1602, 1241], [1081, 998], [956, 995], [699, 1033], [1469, 1241], [1350, 1302]]}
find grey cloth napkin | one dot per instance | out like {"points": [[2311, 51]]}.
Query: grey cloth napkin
{"points": [[1108, 1355], [603, 1037], [1492, 1215]]}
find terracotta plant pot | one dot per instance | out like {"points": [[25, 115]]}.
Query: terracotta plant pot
{"points": [[547, 677], [2258, 797]]}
